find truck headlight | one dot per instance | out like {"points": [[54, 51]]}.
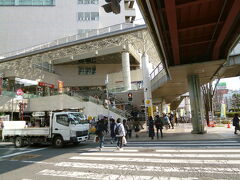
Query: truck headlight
{"points": [[72, 133]]}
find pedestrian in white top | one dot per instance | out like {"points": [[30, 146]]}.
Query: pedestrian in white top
{"points": [[120, 133]]}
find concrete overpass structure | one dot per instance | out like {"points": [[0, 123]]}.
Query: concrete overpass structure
{"points": [[194, 39], [127, 45], [115, 50]]}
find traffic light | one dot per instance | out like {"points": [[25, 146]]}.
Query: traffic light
{"points": [[129, 96], [112, 6]]}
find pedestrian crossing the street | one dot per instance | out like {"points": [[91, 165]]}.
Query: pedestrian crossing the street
{"points": [[149, 163]]}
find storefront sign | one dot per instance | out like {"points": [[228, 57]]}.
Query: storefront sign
{"points": [[60, 86], [19, 92], [22, 106], [38, 114], [43, 84]]}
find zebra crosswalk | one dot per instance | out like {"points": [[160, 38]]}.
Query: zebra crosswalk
{"points": [[198, 143], [149, 164]]}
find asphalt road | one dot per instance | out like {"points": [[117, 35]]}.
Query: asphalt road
{"points": [[166, 160]]}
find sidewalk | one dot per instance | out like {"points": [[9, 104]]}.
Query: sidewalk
{"points": [[183, 132]]}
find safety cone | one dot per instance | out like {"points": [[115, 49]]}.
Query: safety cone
{"points": [[228, 126]]}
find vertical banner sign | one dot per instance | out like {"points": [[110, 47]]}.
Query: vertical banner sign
{"points": [[223, 111], [60, 87], [1, 83]]}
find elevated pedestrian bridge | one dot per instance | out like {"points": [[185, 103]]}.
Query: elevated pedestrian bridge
{"points": [[105, 45]]}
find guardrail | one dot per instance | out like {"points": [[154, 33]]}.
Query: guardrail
{"points": [[25, 95], [236, 50], [156, 71], [61, 41]]}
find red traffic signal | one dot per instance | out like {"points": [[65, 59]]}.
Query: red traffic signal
{"points": [[130, 96]]}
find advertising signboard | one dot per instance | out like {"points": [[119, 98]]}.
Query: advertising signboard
{"points": [[60, 86]]}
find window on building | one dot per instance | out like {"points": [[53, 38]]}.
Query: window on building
{"points": [[94, 16], [7, 2], [63, 120], [94, 1], [88, 16], [27, 2], [81, 16], [88, 1], [87, 70], [80, 1]]}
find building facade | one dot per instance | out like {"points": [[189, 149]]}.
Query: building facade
{"points": [[25, 23]]}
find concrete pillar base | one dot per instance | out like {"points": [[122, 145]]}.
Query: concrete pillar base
{"points": [[198, 132]]}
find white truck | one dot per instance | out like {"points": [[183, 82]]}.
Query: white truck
{"points": [[64, 127]]}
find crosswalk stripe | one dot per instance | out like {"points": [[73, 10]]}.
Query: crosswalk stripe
{"points": [[128, 167], [87, 175], [176, 161], [22, 152], [164, 155], [199, 150], [111, 149], [180, 142]]}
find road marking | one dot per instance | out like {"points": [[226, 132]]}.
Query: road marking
{"points": [[199, 150], [10, 148], [180, 142], [38, 162], [24, 152], [128, 167], [111, 149], [87, 175], [176, 161], [164, 155]]}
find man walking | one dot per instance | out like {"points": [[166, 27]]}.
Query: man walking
{"points": [[159, 126]]}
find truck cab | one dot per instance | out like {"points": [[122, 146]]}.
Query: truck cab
{"points": [[69, 127]]}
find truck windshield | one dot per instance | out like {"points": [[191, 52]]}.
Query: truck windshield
{"points": [[77, 118]]}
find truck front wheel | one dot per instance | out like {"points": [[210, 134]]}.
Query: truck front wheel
{"points": [[58, 141], [18, 142]]}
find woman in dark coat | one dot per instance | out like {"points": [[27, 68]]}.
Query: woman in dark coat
{"points": [[101, 129], [151, 127], [112, 127], [236, 123]]}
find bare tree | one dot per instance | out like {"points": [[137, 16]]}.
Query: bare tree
{"points": [[208, 91], [236, 101]]}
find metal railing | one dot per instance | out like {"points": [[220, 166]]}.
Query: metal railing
{"points": [[134, 86], [13, 95], [156, 71], [68, 39], [100, 102], [236, 50]]}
